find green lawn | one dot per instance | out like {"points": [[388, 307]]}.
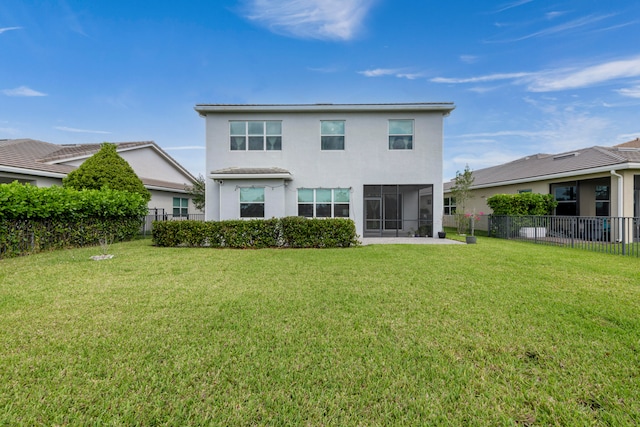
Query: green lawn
{"points": [[498, 333]]}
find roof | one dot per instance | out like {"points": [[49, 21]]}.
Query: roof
{"points": [[444, 107], [30, 156], [545, 166], [26, 154]]}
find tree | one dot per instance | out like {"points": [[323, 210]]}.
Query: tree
{"points": [[196, 191], [106, 169], [461, 191]]}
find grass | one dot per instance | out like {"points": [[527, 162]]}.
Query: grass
{"points": [[498, 333]]}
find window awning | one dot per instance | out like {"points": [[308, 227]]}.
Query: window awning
{"points": [[251, 173]]}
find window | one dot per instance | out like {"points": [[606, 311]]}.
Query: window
{"points": [[255, 135], [332, 134], [400, 134], [180, 207], [528, 190], [252, 202], [602, 200], [449, 205], [323, 202], [566, 195]]}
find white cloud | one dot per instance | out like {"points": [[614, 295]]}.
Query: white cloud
{"points": [[2, 30], [512, 5], [469, 59], [632, 92], [76, 130], [626, 137], [396, 72], [567, 26], [585, 77], [554, 14], [22, 91], [562, 79], [481, 79], [310, 19], [378, 72]]}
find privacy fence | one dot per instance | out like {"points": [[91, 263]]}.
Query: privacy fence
{"points": [[614, 235]]}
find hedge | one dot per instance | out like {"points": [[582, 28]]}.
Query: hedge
{"points": [[33, 219], [522, 204], [288, 232]]}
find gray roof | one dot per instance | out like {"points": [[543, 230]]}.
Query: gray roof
{"points": [[39, 156], [26, 154], [543, 166]]}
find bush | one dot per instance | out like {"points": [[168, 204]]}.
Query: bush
{"points": [[106, 169], [33, 218], [522, 204], [293, 232]]}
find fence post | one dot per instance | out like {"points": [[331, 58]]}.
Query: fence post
{"points": [[624, 237]]}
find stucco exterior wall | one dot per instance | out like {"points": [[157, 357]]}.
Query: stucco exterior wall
{"points": [[587, 202], [38, 181], [164, 200], [366, 158], [147, 163]]}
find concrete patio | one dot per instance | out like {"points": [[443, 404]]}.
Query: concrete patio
{"points": [[408, 241]]}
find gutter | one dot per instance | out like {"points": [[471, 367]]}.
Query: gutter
{"points": [[33, 172], [204, 109]]}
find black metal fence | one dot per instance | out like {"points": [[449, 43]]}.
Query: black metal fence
{"points": [[615, 235], [147, 224]]}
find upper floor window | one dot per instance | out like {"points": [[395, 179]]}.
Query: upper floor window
{"points": [[332, 134], [252, 202], [323, 202], [255, 135], [400, 134]]}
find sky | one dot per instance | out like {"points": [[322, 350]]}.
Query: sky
{"points": [[526, 76]]}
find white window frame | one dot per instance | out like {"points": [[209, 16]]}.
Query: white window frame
{"points": [[401, 135], [183, 207], [241, 202], [247, 135], [343, 135], [333, 203]]}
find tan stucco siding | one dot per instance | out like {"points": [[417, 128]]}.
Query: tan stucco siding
{"points": [[587, 206]]}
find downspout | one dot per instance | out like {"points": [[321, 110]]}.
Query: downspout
{"points": [[620, 203], [220, 184], [620, 192]]}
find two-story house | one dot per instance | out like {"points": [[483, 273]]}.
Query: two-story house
{"points": [[377, 164]]}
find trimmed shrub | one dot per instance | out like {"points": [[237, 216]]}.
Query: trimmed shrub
{"points": [[33, 218], [522, 204], [106, 169], [293, 232]]}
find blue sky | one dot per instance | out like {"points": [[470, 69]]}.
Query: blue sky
{"points": [[527, 76]]}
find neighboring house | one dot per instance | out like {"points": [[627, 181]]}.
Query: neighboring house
{"points": [[594, 181], [44, 164], [377, 164]]}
